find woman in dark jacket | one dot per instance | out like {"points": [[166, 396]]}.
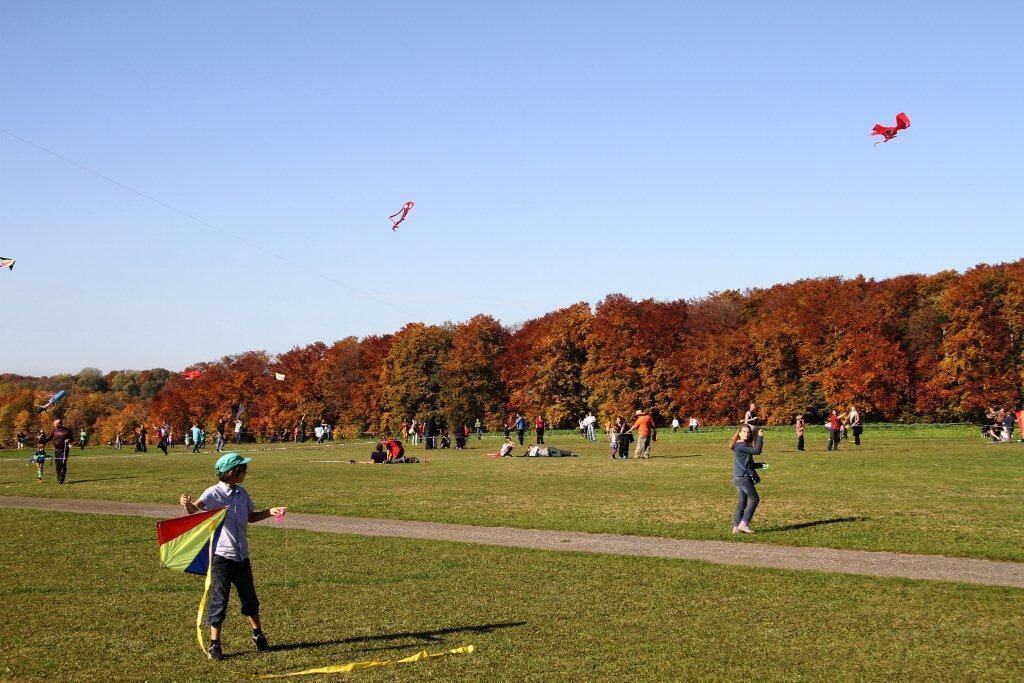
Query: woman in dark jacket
{"points": [[744, 447]]}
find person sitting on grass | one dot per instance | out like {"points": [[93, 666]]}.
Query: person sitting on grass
{"points": [[395, 450], [231, 554]]}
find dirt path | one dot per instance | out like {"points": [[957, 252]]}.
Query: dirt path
{"points": [[866, 563]]}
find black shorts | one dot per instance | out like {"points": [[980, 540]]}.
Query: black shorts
{"points": [[225, 573]]}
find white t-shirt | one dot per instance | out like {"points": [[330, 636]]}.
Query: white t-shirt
{"points": [[238, 426], [233, 543], [589, 420], [506, 449], [675, 423]]}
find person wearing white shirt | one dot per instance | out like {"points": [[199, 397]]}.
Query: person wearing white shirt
{"points": [[588, 422], [230, 563]]}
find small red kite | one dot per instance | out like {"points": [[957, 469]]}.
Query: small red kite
{"points": [[192, 374], [401, 213], [889, 132]]}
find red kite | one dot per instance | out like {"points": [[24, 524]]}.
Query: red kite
{"points": [[401, 213], [192, 374], [889, 132]]}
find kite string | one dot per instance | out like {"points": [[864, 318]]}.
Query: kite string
{"points": [[199, 220]]}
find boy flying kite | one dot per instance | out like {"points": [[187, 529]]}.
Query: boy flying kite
{"points": [[231, 553]]}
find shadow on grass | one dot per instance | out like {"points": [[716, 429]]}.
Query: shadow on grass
{"points": [[817, 522], [87, 481], [435, 636]]}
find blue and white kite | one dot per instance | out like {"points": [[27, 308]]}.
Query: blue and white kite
{"points": [[53, 400]]}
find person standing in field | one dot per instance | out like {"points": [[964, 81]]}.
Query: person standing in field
{"points": [[520, 427], [539, 426], [751, 418], [238, 431], [478, 426], [222, 425], [62, 438], [675, 424], [141, 444], [40, 460], [230, 561], [799, 432], [693, 424], [161, 442], [21, 440], [625, 437], [855, 426], [195, 437], [589, 421], [745, 446], [646, 434], [834, 426], [83, 436]]}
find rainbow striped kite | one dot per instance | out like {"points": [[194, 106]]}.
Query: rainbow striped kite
{"points": [[186, 544]]}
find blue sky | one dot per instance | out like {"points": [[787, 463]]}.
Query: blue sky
{"points": [[556, 152]]}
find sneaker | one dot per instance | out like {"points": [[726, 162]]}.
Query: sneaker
{"points": [[744, 528], [261, 643], [215, 652], [735, 529]]}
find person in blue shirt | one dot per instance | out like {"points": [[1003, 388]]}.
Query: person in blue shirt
{"points": [[231, 564], [520, 427], [745, 445], [196, 437]]}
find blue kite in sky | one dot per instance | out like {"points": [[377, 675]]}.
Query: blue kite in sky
{"points": [[53, 400]]}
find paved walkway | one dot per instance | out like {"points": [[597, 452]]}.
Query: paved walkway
{"points": [[861, 562]]}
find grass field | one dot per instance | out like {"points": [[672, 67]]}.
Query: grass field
{"points": [[84, 600], [921, 490]]}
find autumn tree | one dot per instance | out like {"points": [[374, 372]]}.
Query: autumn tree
{"points": [[411, 375], [541, 365], [471, 387], [630, 350]]}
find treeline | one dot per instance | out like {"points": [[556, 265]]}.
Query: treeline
{"points": [[912, 348]]}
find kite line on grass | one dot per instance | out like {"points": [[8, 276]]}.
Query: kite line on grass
{"points": [[205, 223]]}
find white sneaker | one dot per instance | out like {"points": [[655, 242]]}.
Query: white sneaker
{"points": [[745, 528]]}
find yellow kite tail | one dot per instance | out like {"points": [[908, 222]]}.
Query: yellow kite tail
{"points": [[355, 666], [202, 602]]}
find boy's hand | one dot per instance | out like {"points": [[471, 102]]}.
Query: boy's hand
{"points": [[277, 512], [185, 500]]}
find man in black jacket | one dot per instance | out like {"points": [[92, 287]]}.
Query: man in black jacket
{"points": [[62, 438]]}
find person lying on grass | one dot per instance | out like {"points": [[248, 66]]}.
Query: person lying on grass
{"points": [[535, 451], [231, 554]]}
